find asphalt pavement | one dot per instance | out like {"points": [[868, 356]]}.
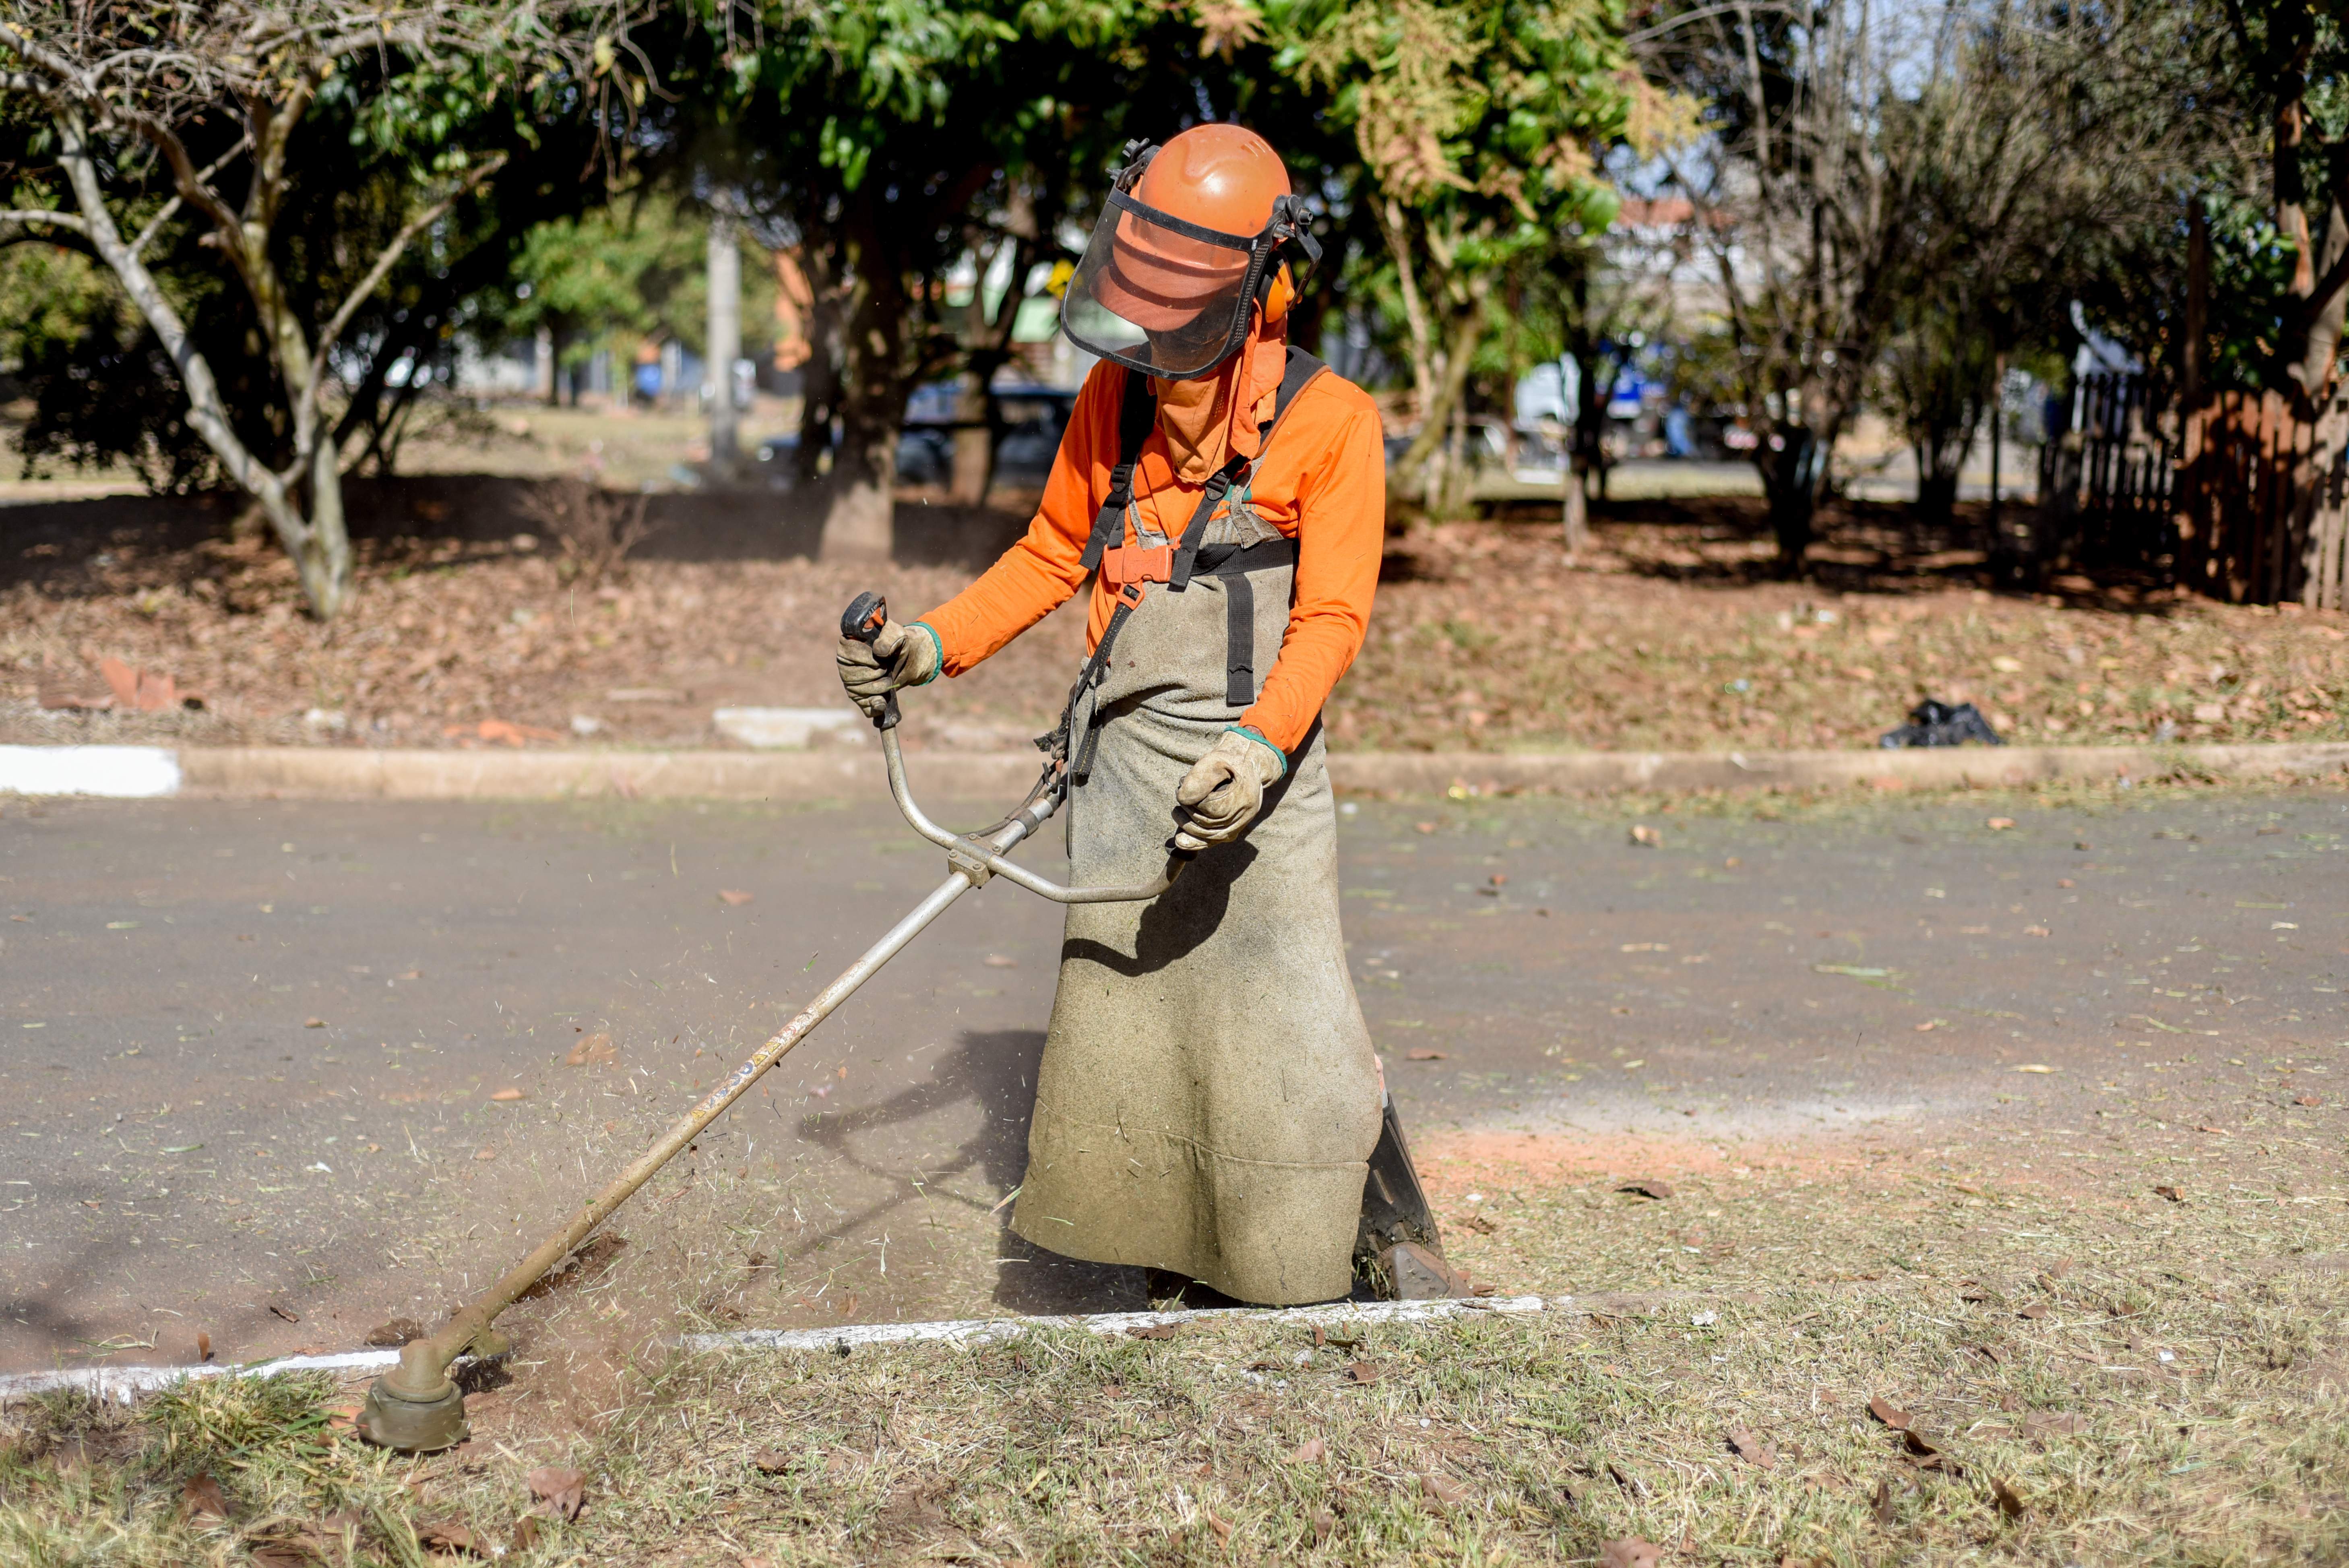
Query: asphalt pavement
{"points": [[276, 1073]]}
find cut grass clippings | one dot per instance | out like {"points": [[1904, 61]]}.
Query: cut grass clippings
{"points": [[2177, 1398]]}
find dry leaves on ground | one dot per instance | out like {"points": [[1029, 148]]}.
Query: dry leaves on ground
{"points": [[563, 1493]]}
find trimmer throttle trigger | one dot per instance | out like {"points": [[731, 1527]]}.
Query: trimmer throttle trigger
{"points": [[864, 621], [865, 615]]}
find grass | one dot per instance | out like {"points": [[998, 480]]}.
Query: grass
{"points": [[2177, 1399]]}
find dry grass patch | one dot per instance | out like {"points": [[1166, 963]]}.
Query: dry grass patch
{"points": [[2094, 1375]]}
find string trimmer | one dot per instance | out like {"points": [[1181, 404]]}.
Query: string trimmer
{"points": [[416, 1406]]}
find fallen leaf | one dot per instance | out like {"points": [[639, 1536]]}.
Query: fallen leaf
{"points": [[204, 1347], [1153, 1331], [485, 1151], [200, 1497], [1989, 1353], [1324, 1521], [2172, 1194], [1629, 1553], [1881, 1505], [2009, 1506], [2218, 1132], [1753, 1450], [1999, 824], [735, 895], [313, 1022], [1925, 1454], [1442, 1489], [1425, 1054], [1481, 1225], [1645, 837], [392, 1335], [591, 1048], [2308, 1099], [287, 1312], [1891, 1415], [1424, 827], [2036, 931], [1499, 879], [770, 1461], [1648, 1187], [449, 1538], [525, 1532], [1222, 1527], [2047, 1423], [508, 1093], [2036, 1309], [1309, 1452], [1364, 1371], [563, 1491]]}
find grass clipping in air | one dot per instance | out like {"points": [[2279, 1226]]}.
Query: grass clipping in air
{"points": [[2175, 1396]]}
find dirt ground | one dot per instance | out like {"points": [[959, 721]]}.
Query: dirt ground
{"points": [[1668, 635]]}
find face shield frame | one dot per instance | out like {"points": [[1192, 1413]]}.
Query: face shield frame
{"points": [[1220, 327]]}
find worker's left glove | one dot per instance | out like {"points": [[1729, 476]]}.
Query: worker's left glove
{"points": [[1225, 790], [899, 656]]}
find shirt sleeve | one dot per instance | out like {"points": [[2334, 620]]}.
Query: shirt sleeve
{"points": [[1341, 536], [1039, 572]]}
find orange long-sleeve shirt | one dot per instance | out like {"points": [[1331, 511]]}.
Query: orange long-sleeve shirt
{"points": [[1322, 482]]}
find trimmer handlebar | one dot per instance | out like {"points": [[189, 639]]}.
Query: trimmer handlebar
{"points": [[866, 617], [979, 855]]}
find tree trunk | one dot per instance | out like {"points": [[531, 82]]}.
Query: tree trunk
{"points": [[1575, 514], [1790, 480], [859, 498], [723, 344], [974, 440]]}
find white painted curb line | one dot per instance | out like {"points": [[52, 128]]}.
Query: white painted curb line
{"points": [[122, 772], [122, 1384], [989, 1330]]}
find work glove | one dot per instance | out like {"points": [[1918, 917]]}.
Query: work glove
{"points": [[899, 656], [1225, 790]]}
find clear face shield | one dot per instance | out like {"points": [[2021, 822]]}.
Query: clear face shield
{"points": [[1166, 297]]}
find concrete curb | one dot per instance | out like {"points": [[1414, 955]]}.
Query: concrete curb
{"points": [[293, 772]]}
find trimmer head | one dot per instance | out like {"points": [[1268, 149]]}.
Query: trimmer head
{"points": [[415, 1408], [390, 1420]]}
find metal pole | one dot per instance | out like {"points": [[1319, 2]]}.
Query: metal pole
{"points": [[723, 344]]}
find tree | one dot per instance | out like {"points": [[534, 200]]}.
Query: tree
{"points": [[884, 141], [206, 102], [1477, 124]]}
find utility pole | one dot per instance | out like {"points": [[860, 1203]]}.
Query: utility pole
{"points": [[723, 344]]}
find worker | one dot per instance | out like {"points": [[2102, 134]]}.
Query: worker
{"points": [[1208, 1098]]}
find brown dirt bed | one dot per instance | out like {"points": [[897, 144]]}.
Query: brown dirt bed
{"points": [[1669, 635]]}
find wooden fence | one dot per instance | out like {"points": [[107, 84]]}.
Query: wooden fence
{"points": [[2260, 501], [2238, 499]]}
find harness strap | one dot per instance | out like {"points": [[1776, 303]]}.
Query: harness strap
{"points": [[1136, 412], [1133, 566]]}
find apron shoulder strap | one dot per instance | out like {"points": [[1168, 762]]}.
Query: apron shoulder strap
{"points": [[1299, 372], [1135, 415]]}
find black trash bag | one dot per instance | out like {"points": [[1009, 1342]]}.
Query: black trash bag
{"points": [[1932, 723]]}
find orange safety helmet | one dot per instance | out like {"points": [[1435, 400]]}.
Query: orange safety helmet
{"points": [[1184, 252]]}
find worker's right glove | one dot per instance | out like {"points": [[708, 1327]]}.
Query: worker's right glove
{"points": [[900, 656], [1225, 790]]}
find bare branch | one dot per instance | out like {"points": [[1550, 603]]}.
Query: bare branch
{"points": [[164, 216], [55, 220], [384, 261]]}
